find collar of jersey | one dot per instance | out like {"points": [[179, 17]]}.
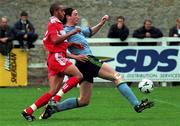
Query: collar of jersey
{"points": [[54, 19]]}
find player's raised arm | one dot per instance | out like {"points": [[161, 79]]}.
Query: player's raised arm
{"points": [[96, 28]]}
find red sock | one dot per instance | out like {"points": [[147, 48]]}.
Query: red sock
{"points": [[71, 82], [29, 110], [43, 100], [57, 98], [40, 102]]}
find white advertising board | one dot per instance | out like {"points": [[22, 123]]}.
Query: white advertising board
{"points": [[158, 63]]}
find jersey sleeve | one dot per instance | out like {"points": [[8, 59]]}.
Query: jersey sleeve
{"points": [[86, 31]]}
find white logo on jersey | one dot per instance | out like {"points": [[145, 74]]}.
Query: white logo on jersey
{"points": [[60, 59]]}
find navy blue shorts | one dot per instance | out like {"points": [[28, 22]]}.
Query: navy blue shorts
{"points": [[90, 68]]}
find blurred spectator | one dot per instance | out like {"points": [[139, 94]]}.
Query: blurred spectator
{"points": [[6, 37], [147, 31], [119, 30], [175, 32], [25, 31]]}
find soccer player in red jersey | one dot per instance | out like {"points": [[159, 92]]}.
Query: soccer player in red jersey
{"points": [[58, 66]]}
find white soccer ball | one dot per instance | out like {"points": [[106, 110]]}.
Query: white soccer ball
{"points": [[146, 86]]}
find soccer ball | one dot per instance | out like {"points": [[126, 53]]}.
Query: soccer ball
{"points": [[146, 86]]}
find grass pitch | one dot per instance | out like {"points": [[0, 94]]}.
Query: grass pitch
{"points": [[107, 108]]}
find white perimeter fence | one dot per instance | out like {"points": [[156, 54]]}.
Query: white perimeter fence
{"points": [[159, 63]]}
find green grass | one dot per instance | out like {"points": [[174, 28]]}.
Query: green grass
{"points": [[107, 108]]}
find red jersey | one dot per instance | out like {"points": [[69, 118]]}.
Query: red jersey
{"points": [[57, 61], [55, 29]]}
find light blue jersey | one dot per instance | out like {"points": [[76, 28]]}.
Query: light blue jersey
{"points": [[79, 37]]}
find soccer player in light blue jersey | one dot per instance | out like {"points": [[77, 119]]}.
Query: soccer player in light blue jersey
{"points": [[91, 67]]}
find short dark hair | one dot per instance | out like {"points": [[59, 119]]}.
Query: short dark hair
{"points": [[120, 17], [148, 20], [54, 7], [68, 11], [24, 13]]}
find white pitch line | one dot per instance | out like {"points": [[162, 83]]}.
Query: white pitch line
{"points": [[175, 105]]}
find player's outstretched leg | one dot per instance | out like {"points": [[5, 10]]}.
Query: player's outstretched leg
{"points": [[70, 103], [106, 72], [27, 113], [67, 104], [143, 105]]}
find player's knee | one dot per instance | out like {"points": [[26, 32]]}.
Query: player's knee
{"points": [[84, 102], [80, 76], [118, 78]]}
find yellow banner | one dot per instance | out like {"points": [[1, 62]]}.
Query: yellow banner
{"points": [[17, 75]]}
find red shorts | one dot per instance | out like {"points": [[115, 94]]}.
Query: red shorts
{"points": [[57, 63]]}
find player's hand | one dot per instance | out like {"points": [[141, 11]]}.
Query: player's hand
{"points": [[105, 18], [76, 44], [76, 30], [81, 58]]}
